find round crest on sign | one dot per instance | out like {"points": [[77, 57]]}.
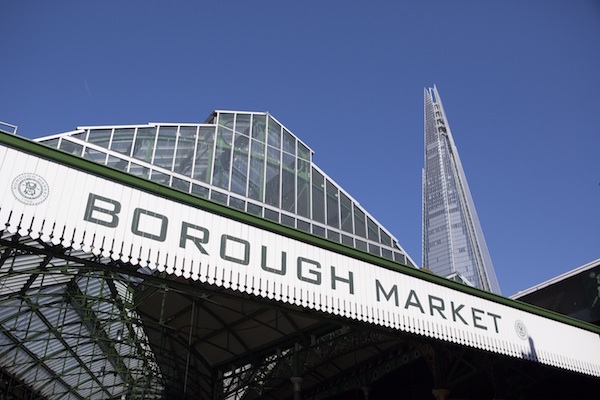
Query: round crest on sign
{"points": [[521, 330], [30, 188]]}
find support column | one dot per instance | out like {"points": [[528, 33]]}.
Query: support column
{"points": [[296, 384], [438, 361]]}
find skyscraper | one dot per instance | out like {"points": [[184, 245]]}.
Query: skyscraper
{"points": [[453, 242]]}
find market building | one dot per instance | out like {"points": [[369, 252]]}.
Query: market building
{"points": [[217, 261]]}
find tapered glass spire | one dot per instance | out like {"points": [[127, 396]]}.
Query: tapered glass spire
{"points": [[453, 242]]}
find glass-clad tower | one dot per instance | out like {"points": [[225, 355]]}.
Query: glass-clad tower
{"points": [[453, 242], [245, 160]]}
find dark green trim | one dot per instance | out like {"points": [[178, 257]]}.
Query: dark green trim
{"points": [[82, 164]]}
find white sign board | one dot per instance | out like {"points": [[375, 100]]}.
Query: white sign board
{"points": [[60, 204]]}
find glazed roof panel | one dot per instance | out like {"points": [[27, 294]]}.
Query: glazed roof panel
{"points": [[245, 160]]}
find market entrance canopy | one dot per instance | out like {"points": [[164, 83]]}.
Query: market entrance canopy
{"points": [[96, 212]]}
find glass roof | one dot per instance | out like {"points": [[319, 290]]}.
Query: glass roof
{"points": [[245, 160]]}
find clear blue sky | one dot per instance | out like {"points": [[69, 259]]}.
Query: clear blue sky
{"points": [[519, 81]]}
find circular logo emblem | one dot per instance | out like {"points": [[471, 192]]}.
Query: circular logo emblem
{"points": [[30, 189], [521, 329]]}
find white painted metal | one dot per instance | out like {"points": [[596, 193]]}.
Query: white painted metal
{"points": [[234, 259]]}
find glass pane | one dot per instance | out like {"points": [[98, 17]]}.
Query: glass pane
{"points": [[218, 197], [271, 215], [361, 245], [117, 163], [222, 158], [346, 212], [387, 254], [259, 126], [399, 257], [200, 191], [374, 249], [288, 221], [165, 147], [184, 154], [144, 143], [333, 216], [359, 222], [318, 197], [257, 168], [94, 155], [122, 140], [236, 203], [303, 151], [373, 230], [288, 183], [138, 170], [100, 137], [187, 132], [274, 133], [226, 119], [51, 143], [333, 235], [180, 184], [255, 209], [204, 153], [303, 182], [303, 226], [239, 171], [347, 240], [70, 147], [318, 230], [272, 177], [385, 238], [80, 135], [242, 124], [160, 177], [289, 142]]}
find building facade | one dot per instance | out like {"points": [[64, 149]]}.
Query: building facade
{"points": [[119, 279], [575, 293], [453, 242]]}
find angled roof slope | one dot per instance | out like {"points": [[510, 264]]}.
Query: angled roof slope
{"points": [[245, 160]]}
